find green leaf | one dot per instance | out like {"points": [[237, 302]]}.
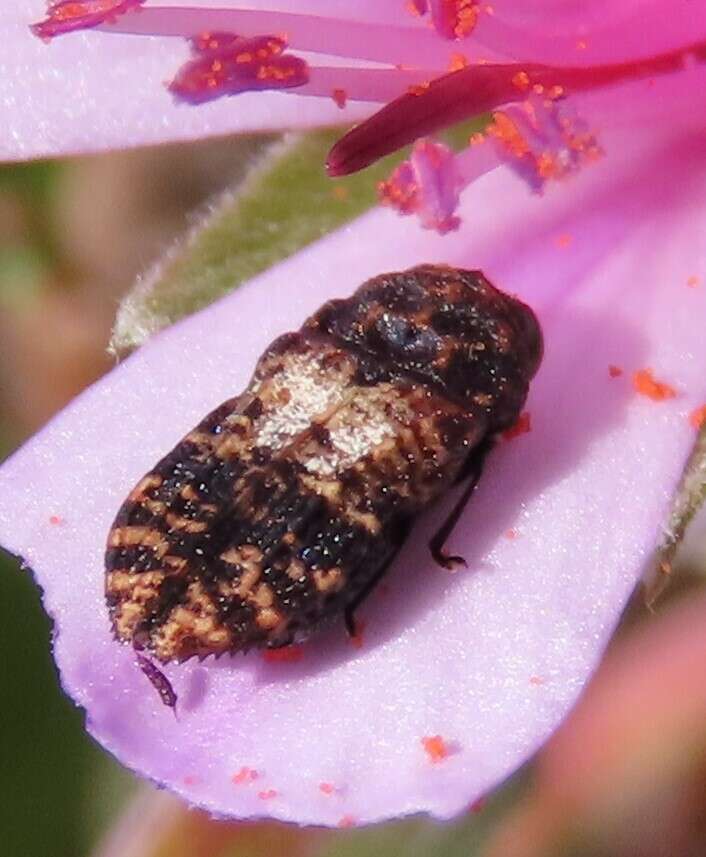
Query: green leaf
{"points": [[285, 202]]}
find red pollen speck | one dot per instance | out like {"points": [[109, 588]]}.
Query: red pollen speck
{"points": [[340, 96], [697, 418], [55, 520], [522, 426], [614, 371], [346, 821], [327, 788], [537, 680], [564, 240], [65, 16], [478, 805], [191, 780], [521, 80], [436, 748], [283, 655], [453, 19], [268, 794], [457, 62], [646, 384], [692, 281], [512, 534], [244, 776]]}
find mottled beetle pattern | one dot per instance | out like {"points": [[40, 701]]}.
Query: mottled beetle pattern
{"points": [[286, 504]]}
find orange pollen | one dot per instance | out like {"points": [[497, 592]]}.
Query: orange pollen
{"points": [[692, 281], [273, 72], [505, 130], [521, 80], [395, 194], [346, 821], [547, 166], [418, 88], [340, 192], [466, 17], [458, 61], [340, 97], [537, 680], [64, 16], [646, 384], [614, 371], [283, 655], [697, 418], [244, 775], [522, 426], [76, 10], [564, 240], [436, 748], [268, 794]]}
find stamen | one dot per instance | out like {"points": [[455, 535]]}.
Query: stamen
{"points": [[454, 19], [226, 64], [64, 16], [428, 185], [540, 141], [411, 46], [475, 90]]}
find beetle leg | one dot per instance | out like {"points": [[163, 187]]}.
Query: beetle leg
{"points": [[471, 470]]}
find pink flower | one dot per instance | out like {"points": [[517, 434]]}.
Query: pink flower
{"points": [[481, 665]]}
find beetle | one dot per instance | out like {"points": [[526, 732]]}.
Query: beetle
{"points": [[286, 505]]}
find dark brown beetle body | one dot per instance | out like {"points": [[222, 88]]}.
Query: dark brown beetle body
{"points": [[285, 505]]}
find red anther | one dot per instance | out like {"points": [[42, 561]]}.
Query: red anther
{"points": [[454, 19], [64, 16], [226, 64]]}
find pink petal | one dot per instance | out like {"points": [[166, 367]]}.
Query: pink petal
{"points": [[489, 659], [578, 32], [89, 91]]}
